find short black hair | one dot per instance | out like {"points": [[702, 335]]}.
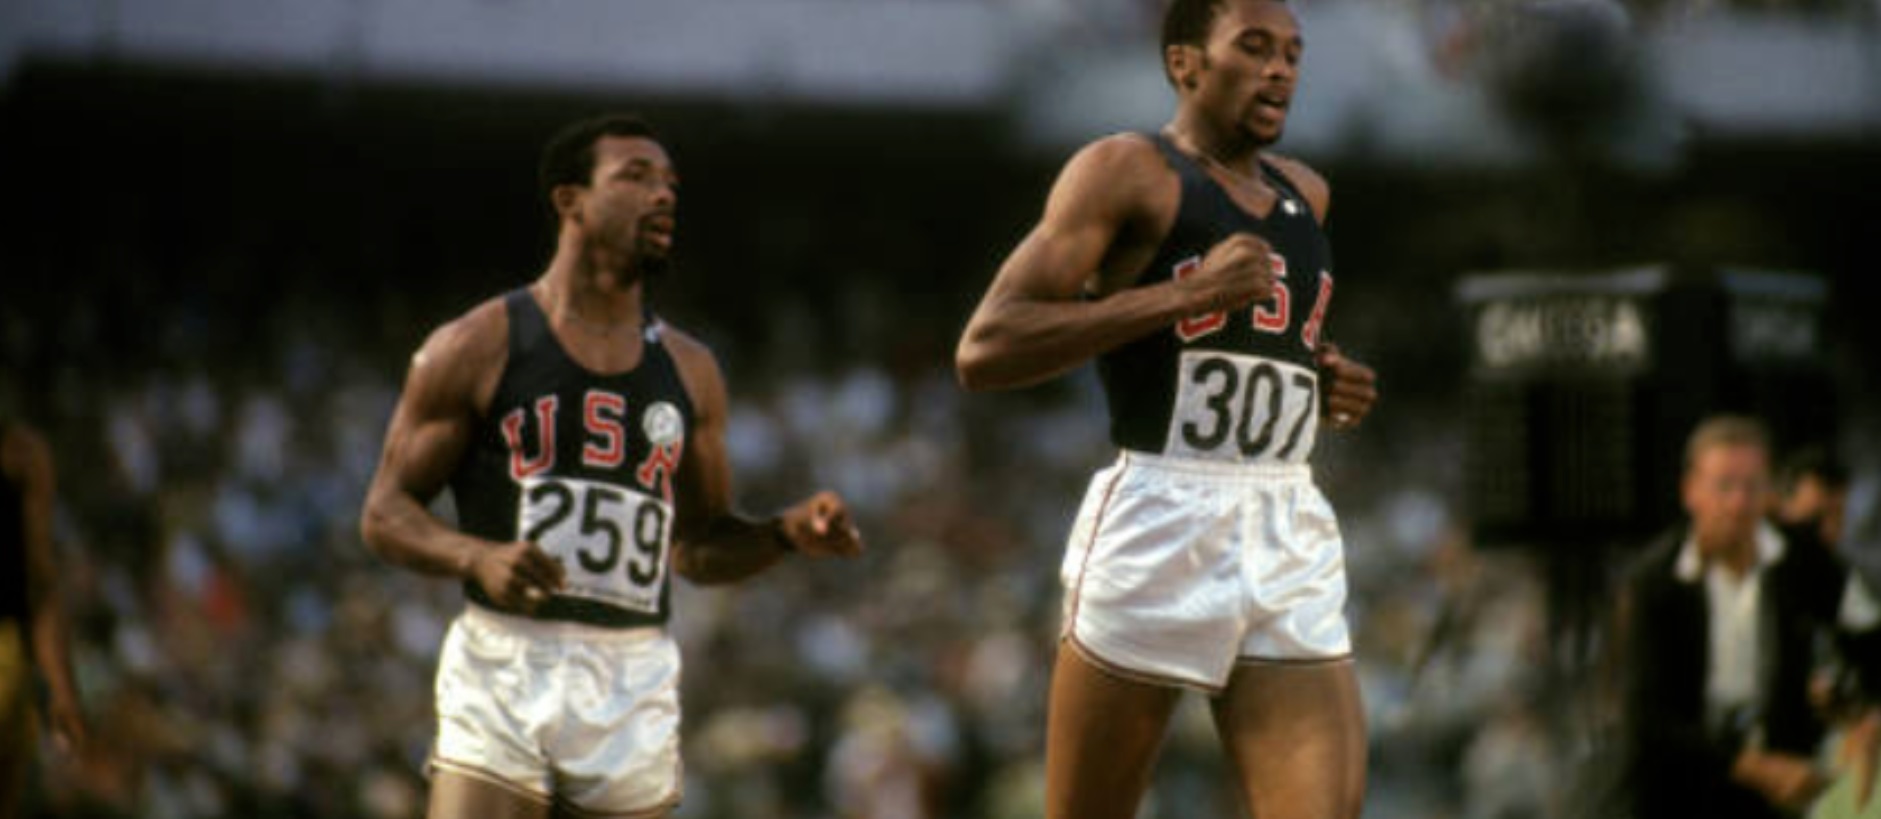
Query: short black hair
{"points": [[568, 158], [1186, 22], [1816, 460]]}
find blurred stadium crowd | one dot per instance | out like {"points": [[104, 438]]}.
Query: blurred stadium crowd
{"points": [[214, 345], [242, 653]]}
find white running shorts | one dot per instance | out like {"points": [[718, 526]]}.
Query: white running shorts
{"points": [[561, 711], [1178, 569]]}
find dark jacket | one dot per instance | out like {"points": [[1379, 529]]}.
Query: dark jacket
{"points": [[1676, 764]]}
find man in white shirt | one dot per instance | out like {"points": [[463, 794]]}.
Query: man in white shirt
{"points": [[1720, 620]]}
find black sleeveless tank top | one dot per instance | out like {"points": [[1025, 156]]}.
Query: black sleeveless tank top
{"points": [[582, 465], [1234, 386]]}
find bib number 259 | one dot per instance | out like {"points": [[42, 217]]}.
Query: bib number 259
{"points": [[1243, 408], [611, 539]]}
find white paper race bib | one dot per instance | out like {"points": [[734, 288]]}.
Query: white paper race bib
{"points": [[612, 541], [1243, 408]]}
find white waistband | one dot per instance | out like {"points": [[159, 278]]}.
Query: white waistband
{"points": [[1271, 473], [559, 629]]}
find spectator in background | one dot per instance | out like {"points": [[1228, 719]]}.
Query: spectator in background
{"points": [[1855, 757], [1812, 489], [1811, 505], [1719, 622], [30, 615]]}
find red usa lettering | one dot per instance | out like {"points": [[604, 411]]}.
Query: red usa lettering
{"points": [[1314, 323], [1272, 316], [603, 419], [606, 447], [521, 464], [1203, 324], [657, 470]]}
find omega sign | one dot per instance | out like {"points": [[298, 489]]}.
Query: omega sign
{"points": [[1603, 332]]}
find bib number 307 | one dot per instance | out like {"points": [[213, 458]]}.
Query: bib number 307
{"points": [[1243, 408], [611, 540]]}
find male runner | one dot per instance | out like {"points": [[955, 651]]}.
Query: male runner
{"points": [[1191, 264], [583, 440]]}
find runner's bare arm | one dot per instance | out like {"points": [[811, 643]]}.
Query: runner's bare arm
{"points": [[429, 433], [38, 479], [712, 543], [1034, 322]]}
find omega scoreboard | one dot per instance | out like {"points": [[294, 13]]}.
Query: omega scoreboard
{"points": [[1583, 386]]}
